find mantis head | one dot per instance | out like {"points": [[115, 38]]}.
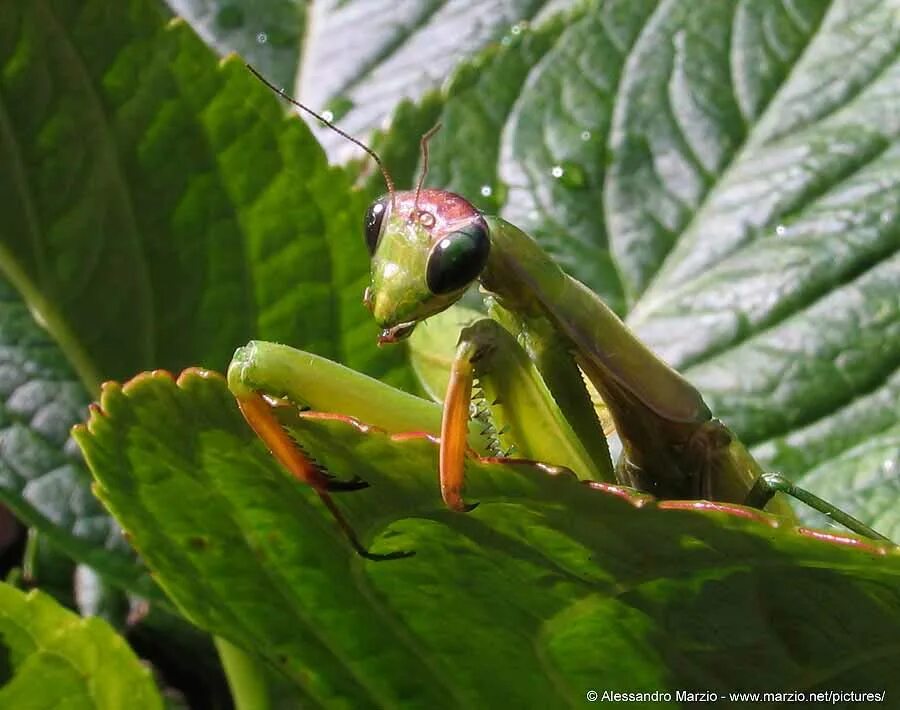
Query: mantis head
{"points": [[427, 248]]}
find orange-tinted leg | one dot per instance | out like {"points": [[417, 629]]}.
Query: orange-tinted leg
{"points": [[259, 416], [455, 426]]}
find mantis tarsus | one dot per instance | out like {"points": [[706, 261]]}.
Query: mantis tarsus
{"points": [[427, 247]]}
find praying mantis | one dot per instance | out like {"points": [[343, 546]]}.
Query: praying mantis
{"points": [[545, 337]]}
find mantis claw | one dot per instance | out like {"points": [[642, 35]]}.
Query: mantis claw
{"points": [[399, 555], [454, 501], [337, 485], [258, 413], [350, 534]]}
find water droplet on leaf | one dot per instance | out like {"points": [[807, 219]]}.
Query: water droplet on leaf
{"points": [[569, 174], [486, 191], [262, 38], [585, 135], [339, 107], [780, 230]]}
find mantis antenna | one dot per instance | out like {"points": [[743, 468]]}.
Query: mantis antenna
{"points": [[424, 145], [387, 178]]}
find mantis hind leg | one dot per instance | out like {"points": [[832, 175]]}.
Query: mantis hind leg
{"points": [[769, 484]]}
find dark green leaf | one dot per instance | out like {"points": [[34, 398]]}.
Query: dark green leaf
{"points": [[403, 50], [547, 589], [268, 34], [161, 210], [43, 479], [358, 59]]}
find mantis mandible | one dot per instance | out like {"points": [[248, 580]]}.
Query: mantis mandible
{"points": [[545, 329]]}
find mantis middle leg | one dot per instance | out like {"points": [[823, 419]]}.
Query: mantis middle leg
{"points": [[518, 403]]}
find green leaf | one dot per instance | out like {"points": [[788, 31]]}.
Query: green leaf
{"points": [[398, 146], [160, 210], [433, 345], [43, 479], [138, 237], [725, 175], [540, 105], [547, 589], [405, 51], [356, 58], [268, 34], [51, 658]]}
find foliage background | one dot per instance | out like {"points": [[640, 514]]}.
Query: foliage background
{"points": [[725, 174]]}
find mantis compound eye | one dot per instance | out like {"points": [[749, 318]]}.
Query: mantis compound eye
{"points": [[374, 223], [457, 259]]}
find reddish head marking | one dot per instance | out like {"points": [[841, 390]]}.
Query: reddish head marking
{"points": [[438, 211]]}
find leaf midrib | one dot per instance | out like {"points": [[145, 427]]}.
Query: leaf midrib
{"points": [[11, 269], [61, 331]]}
